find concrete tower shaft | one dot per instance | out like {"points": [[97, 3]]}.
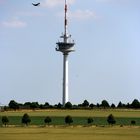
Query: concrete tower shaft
{"points": [[65, 97]]}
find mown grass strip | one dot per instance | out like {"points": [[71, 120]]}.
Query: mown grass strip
{"points": [[39, 120]]}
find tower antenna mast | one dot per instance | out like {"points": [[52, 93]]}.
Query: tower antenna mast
{"points": [[65, 46], [65, 21]]}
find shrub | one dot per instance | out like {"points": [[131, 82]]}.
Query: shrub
{"points": [[26, 119], [90, 120], [111, 120], [5, 120], [47, 120], [133, 122], [68, 120]]}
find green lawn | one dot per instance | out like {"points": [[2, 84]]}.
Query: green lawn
{"points": [[123, 117], [71, 133], [39, 120]]}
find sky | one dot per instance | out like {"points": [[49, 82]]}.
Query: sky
{"points": [[105, 65]]}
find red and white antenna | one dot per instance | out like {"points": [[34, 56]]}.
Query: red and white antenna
{"points": [[65, 21]]}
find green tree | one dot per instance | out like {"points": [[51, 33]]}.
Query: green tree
{"points": [[27, 105], [85, 103], [135, 104], [105, 104], [26, 119], [120, 105], [98, 105], [68, 105], [128, 105], [111, 120], [34, 105], [13, 105], [113, 106], [91, 105], [47, 120], [68, 120], [5, 120], [46, 105], [90, 120], [59, 105], [133, 122]]}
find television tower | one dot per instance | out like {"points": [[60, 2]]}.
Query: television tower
{"points": [[66, 45]]}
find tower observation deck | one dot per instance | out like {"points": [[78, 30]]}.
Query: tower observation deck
{"points": [[66, 45]]}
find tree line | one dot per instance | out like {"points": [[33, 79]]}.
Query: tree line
{"points": [[85, 105], [26, 120]]}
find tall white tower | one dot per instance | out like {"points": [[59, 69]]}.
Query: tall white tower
{"points": [[66, 45]]}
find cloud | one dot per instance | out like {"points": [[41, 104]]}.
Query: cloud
{"points": [[83, 14], [55, 3], [14, 23]]}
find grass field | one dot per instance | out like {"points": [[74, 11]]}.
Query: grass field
{"points": [[77, 113], [123, 117], [71, 133], [79, 130], [39, 120]]}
